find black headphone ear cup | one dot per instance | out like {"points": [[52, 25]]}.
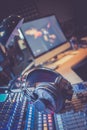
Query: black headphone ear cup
{"points": [[47, 97], [58, 97]]}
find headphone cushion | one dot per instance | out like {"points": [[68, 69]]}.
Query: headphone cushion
{"points": [[47, 86]]}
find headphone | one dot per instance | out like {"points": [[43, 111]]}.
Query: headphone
{"points": [[51, 89]]}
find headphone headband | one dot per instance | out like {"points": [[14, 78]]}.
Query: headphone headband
{"points": [[41, 75]]}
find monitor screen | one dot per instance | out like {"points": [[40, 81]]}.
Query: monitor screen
{"points": [[45, 38]]}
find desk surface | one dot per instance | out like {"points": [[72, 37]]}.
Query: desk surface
{"points": [[65, 68], [66, 61]]}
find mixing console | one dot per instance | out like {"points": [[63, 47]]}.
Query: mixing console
{"points": [[17, 113]]}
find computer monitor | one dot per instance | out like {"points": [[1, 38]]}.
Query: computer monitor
{"points": [[45, 38]]}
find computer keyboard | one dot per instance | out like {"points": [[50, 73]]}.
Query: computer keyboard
{"points": [[59, 62], [17, 113]]}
